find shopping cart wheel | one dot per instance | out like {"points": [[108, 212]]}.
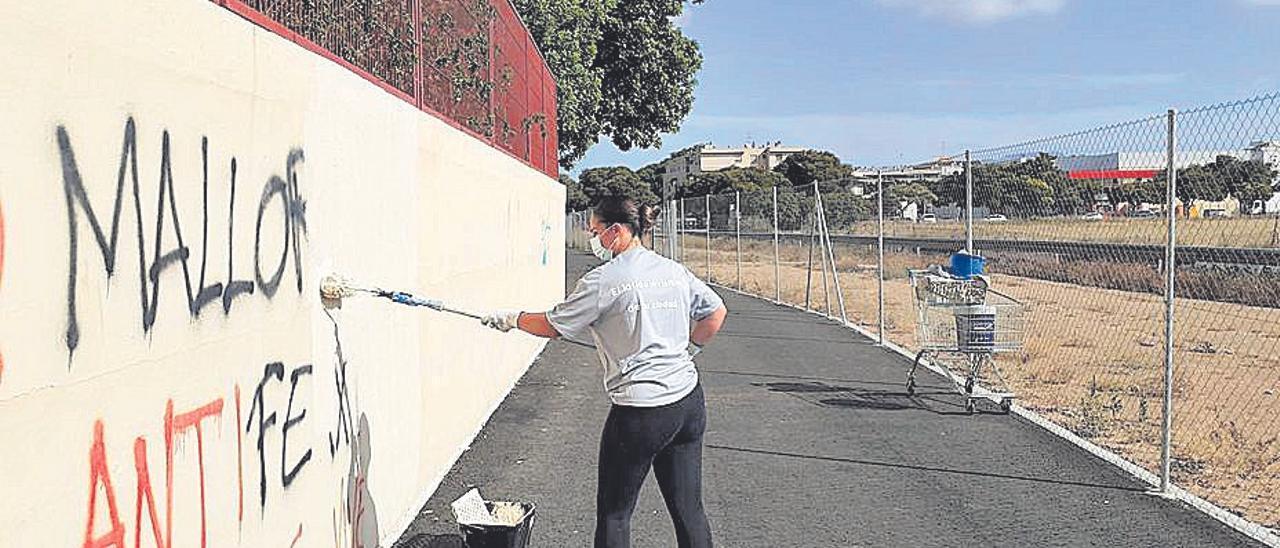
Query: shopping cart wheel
{"points": [[968, 406]]}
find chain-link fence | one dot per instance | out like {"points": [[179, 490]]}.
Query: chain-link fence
{"points": [[577, 231], [1146, 255], [1058, 219], [472, 62], [1226, 328]]}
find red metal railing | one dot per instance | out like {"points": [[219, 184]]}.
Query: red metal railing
{"points": [[471, 63]]}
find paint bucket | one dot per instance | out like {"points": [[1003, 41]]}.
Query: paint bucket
{"points": [[500, 536], [965, 265], [975, 328]]}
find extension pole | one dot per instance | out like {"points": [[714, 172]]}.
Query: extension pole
{"points": [[880, 252], [1170, 266]]}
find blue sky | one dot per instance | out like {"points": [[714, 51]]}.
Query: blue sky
{"points": [[892, 81]]}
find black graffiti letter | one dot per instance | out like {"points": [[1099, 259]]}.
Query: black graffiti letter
{"points": [[336, 438], [273, 369], [207, 294], [73, 187], [274, 186], [180, 253], [297, 212], [289, 421], [235, 287]]}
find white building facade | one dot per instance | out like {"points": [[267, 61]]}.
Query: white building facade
{"points": [[677, 170]]}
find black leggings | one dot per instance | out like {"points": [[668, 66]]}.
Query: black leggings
{"points": [[668, 438]]}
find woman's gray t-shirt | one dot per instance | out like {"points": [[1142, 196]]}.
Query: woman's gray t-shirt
{"points": [[637, 309]]}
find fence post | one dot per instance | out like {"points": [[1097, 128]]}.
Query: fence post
{"points": [[968, 202], [820, 221], [835, 274], [683, 235], [880, 254], [1170, 268], [737, 232], [777, 274], [708, 227], [808, 276], [672, 219]]}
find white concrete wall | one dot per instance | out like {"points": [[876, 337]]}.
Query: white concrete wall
{"points": [[249, 421]]}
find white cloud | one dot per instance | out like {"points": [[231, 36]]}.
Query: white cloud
{"points": [[985, 11]]}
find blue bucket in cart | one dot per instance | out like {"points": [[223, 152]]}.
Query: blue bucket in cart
{"points": [[965, 265]]}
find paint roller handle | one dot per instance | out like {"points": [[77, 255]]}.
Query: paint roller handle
{"points": [[412, 300]]}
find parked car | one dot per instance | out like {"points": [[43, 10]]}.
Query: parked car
{"points": [[1093, 216], [929, 218], [996, 218], [1144, 214], [1215, 214]]}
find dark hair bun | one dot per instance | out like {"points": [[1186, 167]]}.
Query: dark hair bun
{"points": [[648, 217], [622, 210]]}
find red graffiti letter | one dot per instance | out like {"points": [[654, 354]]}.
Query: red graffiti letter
{"points": [[98, 471], [180, 423], [145, 493], [239, 463]]}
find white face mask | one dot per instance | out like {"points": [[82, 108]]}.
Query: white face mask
{"points": [[599, 249]]}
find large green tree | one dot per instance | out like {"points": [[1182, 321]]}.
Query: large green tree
{"points": [[749, 179], [575, 199], [624, 70], [911, 193], [600, 182], [652, 176], [1245, 180], [843, 208], [1030, 187], [815, 165]]}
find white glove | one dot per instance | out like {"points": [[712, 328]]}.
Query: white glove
{"points": [[502, 320], [694, 349]]}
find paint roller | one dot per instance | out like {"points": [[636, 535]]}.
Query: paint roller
{"points": [[335, 287]]}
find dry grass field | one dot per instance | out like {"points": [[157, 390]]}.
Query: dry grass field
{"points": [[1263, 232], [1093, 362]]}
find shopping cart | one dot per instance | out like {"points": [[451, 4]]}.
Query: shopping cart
{"points": [[966, 318]]}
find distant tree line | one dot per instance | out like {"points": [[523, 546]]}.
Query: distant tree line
{"points": [[1037, 187], [1033, 187]]}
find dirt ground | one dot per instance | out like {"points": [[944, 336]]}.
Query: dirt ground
{"points": [[1092, 361], [1260, 231]]}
